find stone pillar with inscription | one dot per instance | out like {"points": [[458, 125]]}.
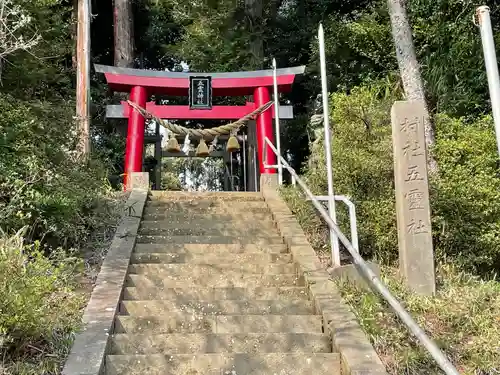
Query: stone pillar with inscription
{"points": [[416, 255]]}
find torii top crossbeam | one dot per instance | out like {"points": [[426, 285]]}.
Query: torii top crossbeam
{"points": [[177, 84], [142, 83]]}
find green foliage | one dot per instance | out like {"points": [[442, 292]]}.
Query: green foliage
{"points": [[192, 174], [359, 49], [462, 319], [44, 187], [45, 70], [449, 50], [37, 303], [170, 181], [213, 38], [42, 184], [464, 196], [170, 174], [155, 31], [356, 47], [362, 159]]}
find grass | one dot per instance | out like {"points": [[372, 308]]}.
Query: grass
{"points": [[42, 298], [463, 318]]}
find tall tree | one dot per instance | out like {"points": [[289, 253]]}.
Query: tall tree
{"points": [[409, 68], [254, 20], [124, 36]]}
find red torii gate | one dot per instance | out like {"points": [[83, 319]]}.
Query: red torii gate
{"points": [[142, 83]]}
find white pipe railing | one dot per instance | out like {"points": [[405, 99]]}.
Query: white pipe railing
{"points": [[370, 276], [277, 122], [490, 61], [352, 215], [334, 241]]}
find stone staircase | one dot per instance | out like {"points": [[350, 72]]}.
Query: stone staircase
{"points": [[211, 289]]}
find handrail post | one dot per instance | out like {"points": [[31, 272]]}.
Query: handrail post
{"points": [[277, 122], [334, 241], [352, 219], [490, 60]]}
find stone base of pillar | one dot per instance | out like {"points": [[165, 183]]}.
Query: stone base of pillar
{"points": [[138, 181]]}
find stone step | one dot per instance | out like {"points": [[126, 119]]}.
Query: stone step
{"points": [[204, 293], [212, 221], [234, 218], [209, 258], [186, 270], [191, 343], [217, 364], [189, 323], [222, 213], [196, 249], [226, 216], [220, 307], [203, 204], [210, 229], [206, 221], [219, 195], [267, 240], [158, 208], [221, 280], [198, 207]]}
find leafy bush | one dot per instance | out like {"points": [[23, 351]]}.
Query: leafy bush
{"points": [[465, 196], [37, 303], [363, 169], [42, 184]]}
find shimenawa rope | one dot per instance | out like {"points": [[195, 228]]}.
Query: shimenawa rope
{"points": [[230, 128]]}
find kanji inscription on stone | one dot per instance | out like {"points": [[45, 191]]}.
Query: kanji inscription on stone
{"points": [[416, 254], [414, 199], [200, 92], [413, 148], [413, 174]]}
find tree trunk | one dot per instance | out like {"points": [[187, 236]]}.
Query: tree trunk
{"points": [[409, 68], [253, 9], [74, 33], [124, 38], [83, 75]]}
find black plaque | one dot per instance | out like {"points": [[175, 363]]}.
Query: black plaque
{"points": [[200, 92]]}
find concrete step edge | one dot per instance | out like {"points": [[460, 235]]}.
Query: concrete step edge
{"points": [[209, 230], [197, 215], [192, 343], [209, 259], [219, 324], [277, 293], [220, 281], [216, 364], [162, 194], [181, 269], [217, 307], [200, 248], [146, 238]]}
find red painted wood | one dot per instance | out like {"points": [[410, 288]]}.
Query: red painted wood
{"points": [[135, 133], [264, 129], [180, 86], [182, 112]]}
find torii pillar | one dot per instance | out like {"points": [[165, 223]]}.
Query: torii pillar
{"points": [[264, 130], [135, 133]]}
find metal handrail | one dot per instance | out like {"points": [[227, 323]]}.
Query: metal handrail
{"points": [[352, 215], [370, 276]]}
